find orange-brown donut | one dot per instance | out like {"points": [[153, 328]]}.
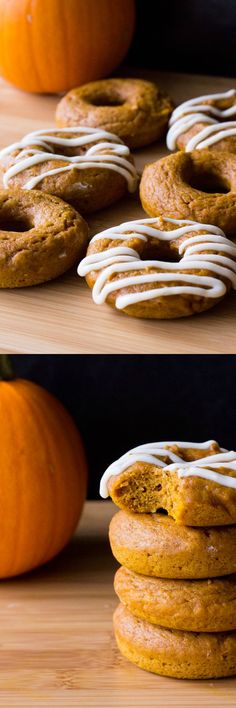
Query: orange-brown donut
{"points": [[87, 167], [155, 268], [184, 655], [40, 237], [134, 109], [200, 185]]}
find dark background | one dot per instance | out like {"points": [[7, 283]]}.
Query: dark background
{"points": [[122, 401], [197, 36]]}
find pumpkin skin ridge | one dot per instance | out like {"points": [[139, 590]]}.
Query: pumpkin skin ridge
{"points": [[59, 531], [65, 418], [33, 408]]}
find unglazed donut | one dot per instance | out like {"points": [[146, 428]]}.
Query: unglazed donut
{"points": [[184, 655], [155, 545], [40, 237], [204, 122], [194, 482], [120, 271], [87, 167], [136, 110], [190, 605], [200, 185]]}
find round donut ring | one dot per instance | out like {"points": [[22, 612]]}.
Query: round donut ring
{"points": [[200, 185], [121, 270], [87, 167], [194, 482], [154, 545], [136, 110], [40, 237], [194, 606], [183, 655], [204, 122]]}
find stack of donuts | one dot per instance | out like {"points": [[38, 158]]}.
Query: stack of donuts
{"points": [[175, 537]]}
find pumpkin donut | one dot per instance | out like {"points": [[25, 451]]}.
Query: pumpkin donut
{"points": [[191, 605], [155, 545], [87, 167], [136, 110], [160, 268], [183, 655], [200, 185], [204, 122], [194, 482], [40, 237]]}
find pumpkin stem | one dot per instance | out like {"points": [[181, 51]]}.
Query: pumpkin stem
{"points": [[6, 369]]}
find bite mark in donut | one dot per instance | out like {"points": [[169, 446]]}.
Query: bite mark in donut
{"points": [[195, 483]]}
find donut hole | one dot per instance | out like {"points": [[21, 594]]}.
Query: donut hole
{"points": [[159, 252], [15, 224], [106, 100], [209, 182]]}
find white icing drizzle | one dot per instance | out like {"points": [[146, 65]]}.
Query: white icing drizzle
{"points": [[196, 111], [152, 453], [122, 259], [109, 154]]}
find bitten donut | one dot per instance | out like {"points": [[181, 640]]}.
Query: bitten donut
{"points": [[204, 122], [40, 237], [200, 185], [195, 483], [160, 268], [136, 110], [191, 605], [184, 655], [87, 167], [155, 545]]}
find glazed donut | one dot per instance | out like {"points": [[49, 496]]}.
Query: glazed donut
{"points": [[121, 270], [136, 110], [190, 605], [204, 122], [183, 655], [155, 545], [194, 482], [40, 237], [87, 167], [200, 185]]}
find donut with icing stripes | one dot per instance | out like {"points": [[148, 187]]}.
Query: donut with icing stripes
{"points": [[160, 267], [207, 121], [89, 168], [195, 483]]}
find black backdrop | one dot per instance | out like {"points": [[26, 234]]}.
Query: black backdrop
{"points": [[121, 401], [196, 36]]}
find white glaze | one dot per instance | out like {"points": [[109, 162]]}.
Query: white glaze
{"points": [[196, 111], [110, 154], [152, 453], [123, 259]]}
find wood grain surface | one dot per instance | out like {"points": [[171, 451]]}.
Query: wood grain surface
{"points": [[57, 646], [61, 317]]}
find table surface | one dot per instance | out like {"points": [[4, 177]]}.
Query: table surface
{"points": [[60, 317], [57, 645]]}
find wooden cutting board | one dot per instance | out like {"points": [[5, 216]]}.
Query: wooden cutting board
{"points": [[61, 317], [57, 646]]}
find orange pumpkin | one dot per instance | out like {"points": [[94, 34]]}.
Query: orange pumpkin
{"points": [[53, 45], [42, 476]]}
